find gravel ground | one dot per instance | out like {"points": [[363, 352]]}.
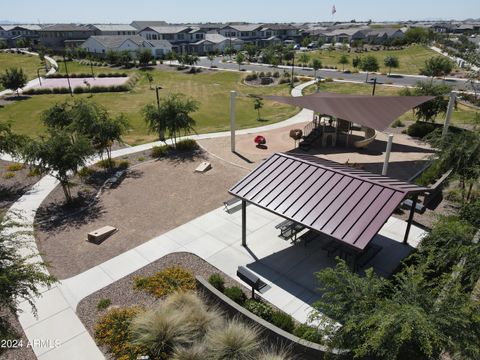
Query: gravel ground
{"points": [[20, 353], [154, 198], [121, 293]]}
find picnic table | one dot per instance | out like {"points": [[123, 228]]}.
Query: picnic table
{"points": [[289, 230]]}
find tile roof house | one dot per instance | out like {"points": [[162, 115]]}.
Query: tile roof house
{"points": [[102, 44], [114, 29], [139, 25]]}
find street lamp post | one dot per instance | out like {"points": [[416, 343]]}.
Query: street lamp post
{"points": [[157, 90], [374, 80], [293, 68], [68, 78], [91, 69], [38, 75]]}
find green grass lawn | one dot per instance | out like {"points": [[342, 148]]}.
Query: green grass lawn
{"points": [[411, 59], [210, 89], [461, 115], [29, 64]]}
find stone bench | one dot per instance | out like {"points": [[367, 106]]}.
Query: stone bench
{"points": [[98, 236]]}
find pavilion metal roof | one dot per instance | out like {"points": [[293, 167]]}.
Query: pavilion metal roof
{"points": [[376, 112], [347, 204]]}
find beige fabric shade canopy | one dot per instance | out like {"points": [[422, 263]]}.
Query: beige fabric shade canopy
{"points": [[376, 112]]}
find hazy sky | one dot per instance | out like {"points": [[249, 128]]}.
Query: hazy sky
{"points": [[105, 11]]}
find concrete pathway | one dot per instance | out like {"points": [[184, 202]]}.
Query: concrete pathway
{"points": [[57, 320], [34, 82]]}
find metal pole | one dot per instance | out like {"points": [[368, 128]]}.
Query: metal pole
{"points": [[387, 155], [91, 68], [66, 72], [244, 223], [410, 219], [161, 134], [38, 75], [158, 97], [374, 85], [293, 68], [451, 103], [233, 94]]}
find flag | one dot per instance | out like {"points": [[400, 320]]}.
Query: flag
{"points": [[333, 10]]}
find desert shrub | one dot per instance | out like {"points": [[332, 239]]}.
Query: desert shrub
{"points": [[79, 90], [235, 341], [261, 75], [259, 308], [296, 79], [430, 175], [283, 321], [328, 79], [33, 171], [15, 167], [268, 74], [105, 164], [85, 172], [420, 129], [308, 333], [141, 158], [398, 123], [251, 77], [236, 294], [195, 352], [217, 281], [284, 81], [186, 145], [274, 354], [471, 213], [8, 175], [113, 332], [276, 74], [103, 304], [166, 282], [123, 165], [161, 151]]}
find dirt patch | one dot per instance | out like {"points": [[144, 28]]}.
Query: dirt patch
{"points": [[154, 198], [13, 184], [121, 293]]}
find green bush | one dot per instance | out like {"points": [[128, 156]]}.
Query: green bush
{"points": [[430, 175], [161, 151], [105, 164], [15, 167], [123, 165], [276, 74], [420, 129], [471, 213], [85, 172], [187, 145], [166, 282], [259, 308], [308, 333], [113, 332], [141, 158], [8, 175], [217, 281], [398, 123], [103, 304], [236, 294], [283, 321]]}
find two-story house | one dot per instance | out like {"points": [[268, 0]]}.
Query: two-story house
{"points": [[114, 29], [60, 36]]}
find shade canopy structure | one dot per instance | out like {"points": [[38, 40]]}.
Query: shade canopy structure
{"points": [[376, 112], [344, 203]]}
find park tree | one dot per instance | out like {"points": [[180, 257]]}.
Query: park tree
{"points": [[356, 62], [58, 155], [172, 115], [416, 35], [3, 44], [437, 66], [267, 55], [144, 56], [430, 110], [22, 276], [316, 65], [112, 57], [240, 58], [211, 58], [10, 142], [303, 59], [228, 51], [391, 62], [369, 64], [13, 79], [343, 61], [149, 78], [251, 50], [125, 59], [258, 105]]}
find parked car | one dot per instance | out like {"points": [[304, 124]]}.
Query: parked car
{"points": [[312, 45], [297, 47]]}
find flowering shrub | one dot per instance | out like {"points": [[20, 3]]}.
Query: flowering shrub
{"points": [[166, 282]]}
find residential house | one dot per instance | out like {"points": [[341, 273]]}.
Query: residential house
{"points": [[114, 29], [281, 31], [246, 32], [60, 36], [175, 34], [12, 33], [381, 36], [101, 44], [212, 43]]}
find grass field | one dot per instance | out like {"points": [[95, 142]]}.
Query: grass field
{"points": [[411, 59], [29, 64], [210, 89], [461, 115]]}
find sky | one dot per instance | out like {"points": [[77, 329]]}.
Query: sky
{"points": [[125, 11]]}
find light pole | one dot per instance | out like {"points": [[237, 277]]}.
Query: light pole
{"points": [[374, 81], [91, 69], [38, 75], [68, 78], [293, 68], [161, 134]]}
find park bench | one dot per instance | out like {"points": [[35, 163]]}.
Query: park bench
{"points": [[231, 202], [99, 235]]}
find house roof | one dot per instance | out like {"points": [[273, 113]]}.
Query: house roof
{"points": [[26, 27], [114, 27], [114, 41], [159, 43], [380, 32], [67, 27], [144, 24], [216, 38], [376, 112], [170, 29], [344, 203], [244, 27], [279, 27]]}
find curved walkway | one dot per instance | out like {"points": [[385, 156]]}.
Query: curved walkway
{"points": [[53, 70], [57, 320]]}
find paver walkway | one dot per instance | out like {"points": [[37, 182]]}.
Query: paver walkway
{"points": [[57, 320]]}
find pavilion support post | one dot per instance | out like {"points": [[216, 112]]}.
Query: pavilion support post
{"points": [[451, 104], [410, 219], [387, 155], [233, 94], [244, 223]]}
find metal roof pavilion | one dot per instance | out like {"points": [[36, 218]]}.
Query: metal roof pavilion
{"points": [[346, 204]]}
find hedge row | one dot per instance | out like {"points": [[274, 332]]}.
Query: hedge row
{"points": [[77, 90], [87, 75]]}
